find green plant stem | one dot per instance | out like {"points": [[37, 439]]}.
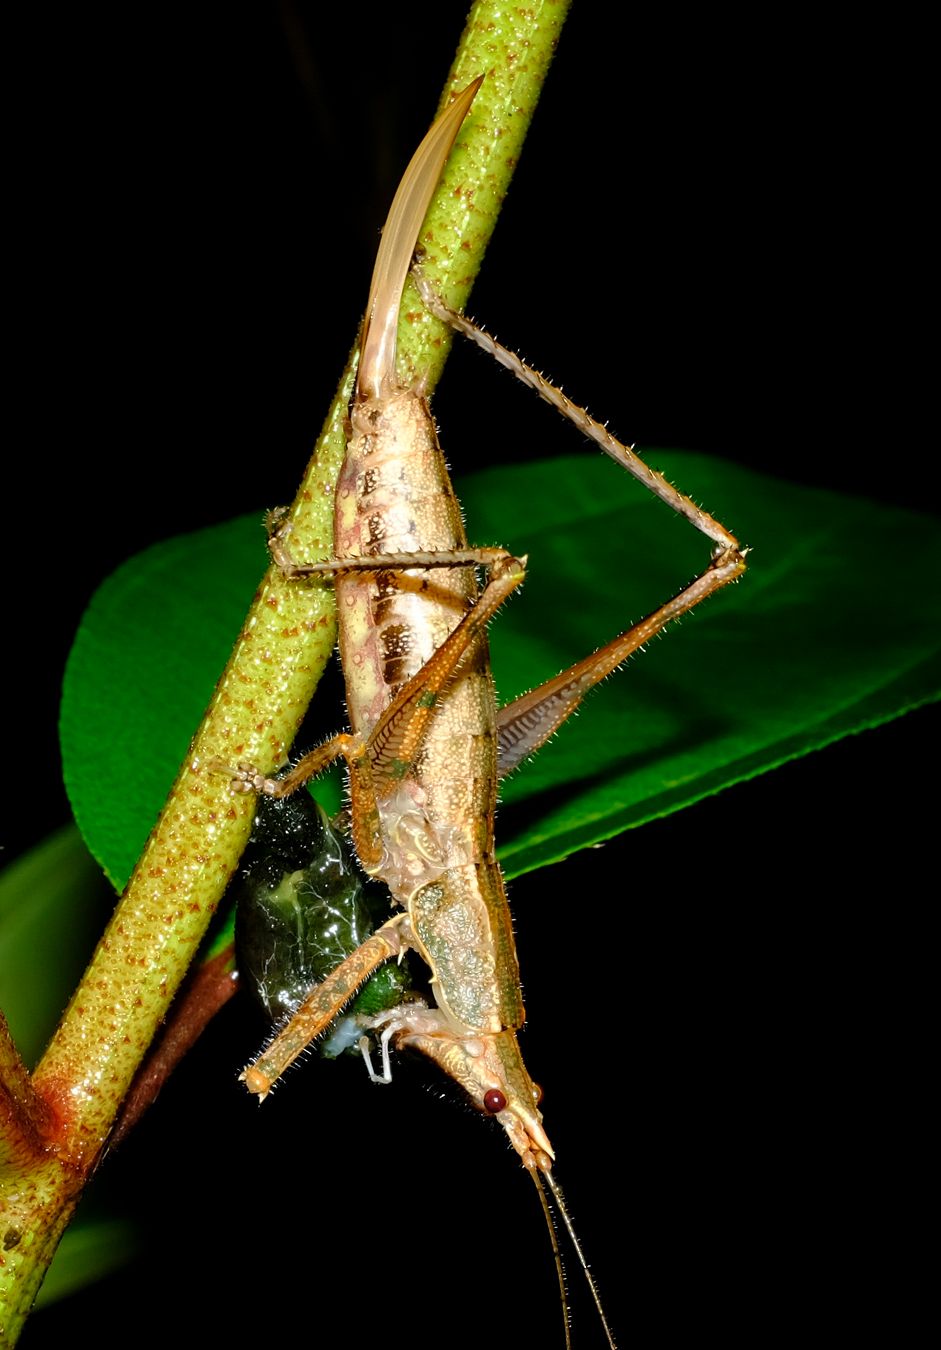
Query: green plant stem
{"points": [[261, 697]]}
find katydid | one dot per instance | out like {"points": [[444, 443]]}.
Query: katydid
{"points": [[427, 745]]}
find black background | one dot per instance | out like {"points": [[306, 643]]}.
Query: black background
{"points": [[693, 244]]}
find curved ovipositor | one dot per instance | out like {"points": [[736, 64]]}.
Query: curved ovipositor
{"points": [[409, 207]]}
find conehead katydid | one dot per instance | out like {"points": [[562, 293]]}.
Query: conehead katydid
{"points": [[427, 745]]}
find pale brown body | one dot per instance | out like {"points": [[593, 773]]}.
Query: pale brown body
{"points": [[394, 496], [436, 800]]}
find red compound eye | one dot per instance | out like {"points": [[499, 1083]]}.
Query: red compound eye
{"points": [[494, 1101]]}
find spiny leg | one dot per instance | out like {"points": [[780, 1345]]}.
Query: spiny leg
{"points": [[595, 431], [322, 1004], [526, 724], [327, 999], [382, 562], [396, 737]]}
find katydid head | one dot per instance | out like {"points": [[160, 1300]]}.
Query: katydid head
{"points": [[488, 1067], [512, 1098], [517, 1110]]}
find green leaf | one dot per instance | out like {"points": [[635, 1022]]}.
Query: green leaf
{"points": [[88, 1252], [140, 675], [834, 628], [54, 889]]}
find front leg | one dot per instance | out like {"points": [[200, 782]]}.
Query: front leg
{"points": [[323, 1003], [364, 810]]}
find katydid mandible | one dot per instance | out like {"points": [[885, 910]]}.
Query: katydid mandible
{"points": [[427, 745]]}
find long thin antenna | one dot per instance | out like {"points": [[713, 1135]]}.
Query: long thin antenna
{"points": [[556, 1254], [563, 1210]]}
